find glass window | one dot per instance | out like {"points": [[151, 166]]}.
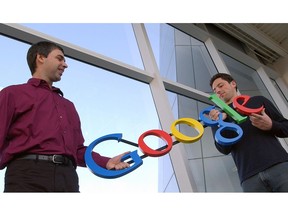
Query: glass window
{"points": [[167, 59], [13, 64], [167, 180], [186, 55], [248, 80], [281, 93], [186, 60], [153, 32], [116, 41], [204, 157], [107, 103], [211, 170]]}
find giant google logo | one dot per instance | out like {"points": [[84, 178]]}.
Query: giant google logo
{"points": [[137, 160]]}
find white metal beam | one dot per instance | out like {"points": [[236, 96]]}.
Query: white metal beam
{"points": [[178, 155], [30, 36]]}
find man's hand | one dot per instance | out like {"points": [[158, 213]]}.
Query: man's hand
{"points": [[214, 115], [116, 163], [261, 121]]}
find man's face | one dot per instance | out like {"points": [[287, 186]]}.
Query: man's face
{"points": [[54, 65], [225, 91]]}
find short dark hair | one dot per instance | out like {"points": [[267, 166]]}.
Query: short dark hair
{"points": [[41, 48], [223, 76]]}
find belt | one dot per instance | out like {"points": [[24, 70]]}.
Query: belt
{"points": [[56, 159]]}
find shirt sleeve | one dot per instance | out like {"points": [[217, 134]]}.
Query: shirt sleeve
{"points": [[221, 148], [6, 116], [99, 159], [279, 123]]}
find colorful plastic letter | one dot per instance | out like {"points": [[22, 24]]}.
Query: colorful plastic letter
{"points": [[236, 116], [228, 126], [191, 122], [151, 152], [208, 121], [222, 127], [104, 173], [241, 107]]}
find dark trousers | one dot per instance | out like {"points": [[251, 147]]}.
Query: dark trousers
{"points": [[40, 176], [273, 179]]}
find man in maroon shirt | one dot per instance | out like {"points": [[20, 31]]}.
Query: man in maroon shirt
{"points": [[41, 142]]}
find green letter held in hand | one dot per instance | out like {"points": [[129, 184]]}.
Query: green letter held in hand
{"points": [[226, 108]]}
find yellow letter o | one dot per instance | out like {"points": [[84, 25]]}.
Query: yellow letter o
{"points": [[191, 122]]}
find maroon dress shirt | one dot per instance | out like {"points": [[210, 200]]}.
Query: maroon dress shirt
{"points": [[35, 119]]}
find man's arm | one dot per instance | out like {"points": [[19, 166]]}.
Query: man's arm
{"points": [[223, 149], [271, 120]]}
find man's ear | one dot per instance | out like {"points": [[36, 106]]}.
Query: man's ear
{"points": [[40, 58], [234, 84]]}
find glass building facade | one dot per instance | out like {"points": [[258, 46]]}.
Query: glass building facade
{"points": [[131, 78]]}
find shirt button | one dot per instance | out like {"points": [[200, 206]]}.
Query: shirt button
{"points": [[60, 116]]}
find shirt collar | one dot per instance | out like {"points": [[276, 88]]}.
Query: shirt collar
{"points": [[39, 82]]}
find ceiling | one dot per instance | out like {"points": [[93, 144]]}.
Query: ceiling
{"points": [[269, 42]]}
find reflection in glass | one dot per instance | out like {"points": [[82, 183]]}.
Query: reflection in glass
{"points": [[212, 171], [281, 93], [186, 55], [186, 60], [248, 80]]}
